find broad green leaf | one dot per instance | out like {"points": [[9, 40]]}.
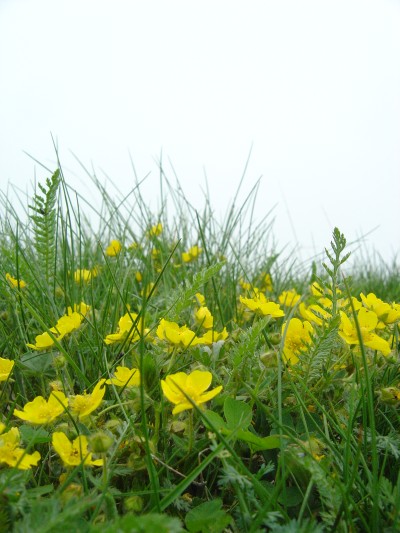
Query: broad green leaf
{"points": [[207, 517], [238, 414]]}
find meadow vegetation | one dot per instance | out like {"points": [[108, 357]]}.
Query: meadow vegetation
{"points": [[167, 372]]}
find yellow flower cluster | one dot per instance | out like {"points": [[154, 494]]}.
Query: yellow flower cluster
{"points": [[65, 325]]}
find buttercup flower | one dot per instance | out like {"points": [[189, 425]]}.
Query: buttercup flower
{"points": [[125, 328], [180, 386], [260, 305], [10, 452], [16, 283], [386, 313], [178, 336], [125, 377], [289, 298], [74, 453], [155, 231], [367, 321], [84, 275], [192, 254], [80, 308], [204, 317], [114, 248], [40, 411], [6, 366], [42, 342], [212, 336], [314, 313], [297, 338], [84, 404]]}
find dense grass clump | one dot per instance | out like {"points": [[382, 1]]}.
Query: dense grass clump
{"points": [[170, 372]]}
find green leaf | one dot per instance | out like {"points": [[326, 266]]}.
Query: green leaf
{"points": [[258, 443], [32, 435], [238, 414], [216, 420], [161, 523], [208, 517]]}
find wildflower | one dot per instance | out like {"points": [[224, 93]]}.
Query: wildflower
{"points": [[10, 452], [84, 404], [289, 298], [298, 336], [145, 292], [84, 275], [155, 231], [212, 336], [178, 336], [125, 377], [192, 254], [40, 411], [6, 367], [74, 453], [200, 299], [42, 341], [127, 329], [114, 248], [80, 308], [260, 305], [67, 324], [367, 321], [386, 313], [138, 277], [15, 283], [314, 313], [266, 282], [204, 317], [179, 387]]}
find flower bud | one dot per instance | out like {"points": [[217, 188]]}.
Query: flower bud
{"points": [[268, 359], [100, 442]]}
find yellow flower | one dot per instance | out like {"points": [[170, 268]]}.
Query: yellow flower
{"points": [[40, 411], [297, 338], [266, 282], [81, 308], [84, 404], [367, 321], [212, 336], [84, 275], [74, 453], [386, 313], [125, 377], [204, 317], [155, 231], [125, 328], [192, 254], [180, 386], [42, 342], [260, 305], [114, 248], [66, 324], [314, 313], [289, 298], [245, 285], [11, 454], [6, 367], [16, 283], [200, 299], [178, 336]]}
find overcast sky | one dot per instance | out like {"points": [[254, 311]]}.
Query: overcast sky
{"points": [[312, 86]]}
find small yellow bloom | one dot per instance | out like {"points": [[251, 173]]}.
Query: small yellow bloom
{"points": [[40, 411], [126, 330], [212, 336], [180, 386], [289, 298], [314, 313], [192, 254], [266, 282], [42, 342], [83, 404], [245, 285], [260, 305], [155, 231], [80, 308], [200, 299], [11, 454], [367, 321], [297, 339], [16, 283], [6, 366], [114, 248], [84, 275], [204, 317], [386, 313], [125, 377], [74, 453], [180, 336]]}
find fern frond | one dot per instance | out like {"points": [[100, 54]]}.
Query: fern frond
{"points": [[44, 218]]}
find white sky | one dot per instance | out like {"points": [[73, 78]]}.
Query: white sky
{"points": [[314, 86]]}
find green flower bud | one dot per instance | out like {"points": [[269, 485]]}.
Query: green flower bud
{"points": [[100, 442]]}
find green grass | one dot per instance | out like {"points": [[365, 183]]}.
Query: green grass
{"points": [[307, 446]]}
